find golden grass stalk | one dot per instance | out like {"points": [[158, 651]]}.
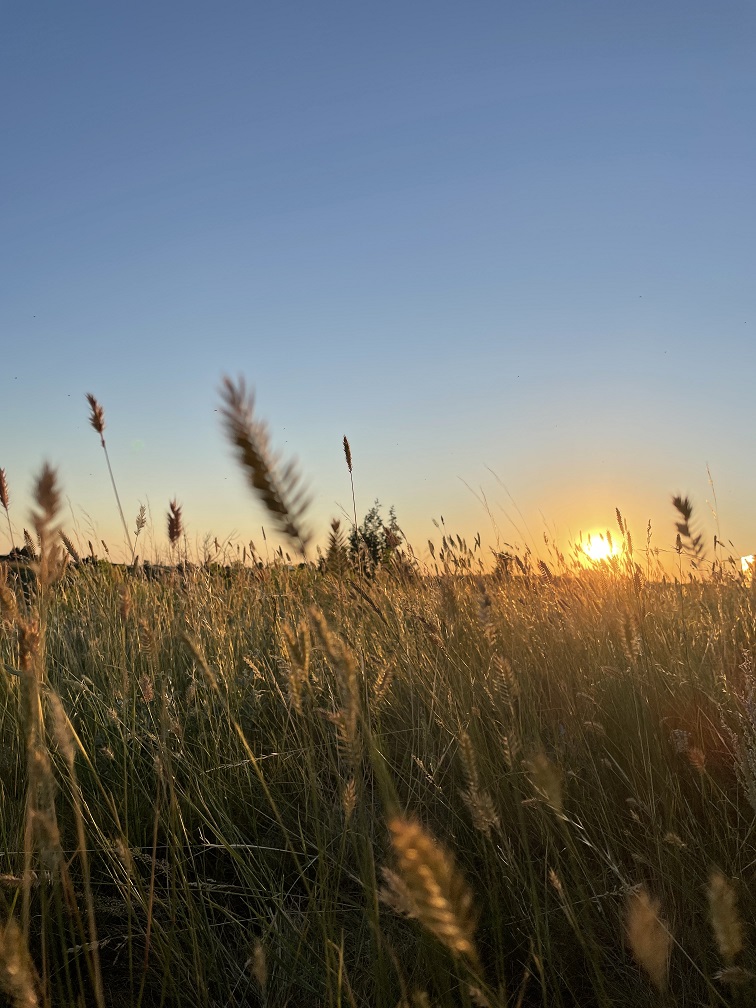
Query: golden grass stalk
{"points": [[70, 548], [5, 501], [297, 647], [724, 917], [648, 936], [344, 663], [4, 495], [434, 889], [348, 457], [97, 420], [279, 491]]}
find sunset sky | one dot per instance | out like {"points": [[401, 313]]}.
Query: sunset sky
{"points": [[507, 248]]}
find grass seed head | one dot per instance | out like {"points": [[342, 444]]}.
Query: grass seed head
{"points": [[648, 937], [97, 415], [17, 975], [436, 889], [175, 527], [724, 917], [4, 494]]}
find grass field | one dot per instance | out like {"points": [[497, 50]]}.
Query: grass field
{"points": [[303, 786]]}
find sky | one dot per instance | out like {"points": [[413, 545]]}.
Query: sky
{"points": [[506, 248]]}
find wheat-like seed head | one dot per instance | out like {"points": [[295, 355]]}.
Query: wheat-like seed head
{"points": [[258, 965], [47, 497], [17, 974], [546, 778], [72, 551], [174, 522], [280, 491], [61, 727], [725, 920], [141, 520], [97, 415], [648, 936], [4, 494], [436, 890], [347, 453], [8, 603]]}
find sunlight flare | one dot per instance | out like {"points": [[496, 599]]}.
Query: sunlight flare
{"points": [[600, 546]]}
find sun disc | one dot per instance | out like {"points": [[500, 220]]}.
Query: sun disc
{"points": [[599, 547]]}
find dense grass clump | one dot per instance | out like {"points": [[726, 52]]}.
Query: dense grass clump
{"points": [[356, 783], [277, 786]]}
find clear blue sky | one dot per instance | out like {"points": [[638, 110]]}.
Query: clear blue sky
{"points": [[497, 245]]}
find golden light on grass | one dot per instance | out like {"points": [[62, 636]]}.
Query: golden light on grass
{"points": [[747, 565]]}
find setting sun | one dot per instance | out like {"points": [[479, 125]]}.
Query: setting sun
{"points": [[600, 547]]}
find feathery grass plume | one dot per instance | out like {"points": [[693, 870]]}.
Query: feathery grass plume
{"points": [[382, 685], [479, 802], [61, 727], [17, 973], [348, 457], [8, 601], [648, 936], [546, 778], [147, 640], [5, 501], [31, 549], [297, 648], [72, 551], [724, 917], [337, 556], [395, 894], [97, 420], [280, 491], [124, 602], [348, 454], [174, 522], [258, 965], [692, 544], [349, 799], [734, 976], [345, 664], [141, 521], [49, 563], [437, 892]]}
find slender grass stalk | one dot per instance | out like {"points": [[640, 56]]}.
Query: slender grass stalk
{"points": [[5, 501], [97, 420], [348, 457]]}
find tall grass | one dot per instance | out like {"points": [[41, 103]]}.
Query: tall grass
{"points": [[274, 786]]}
